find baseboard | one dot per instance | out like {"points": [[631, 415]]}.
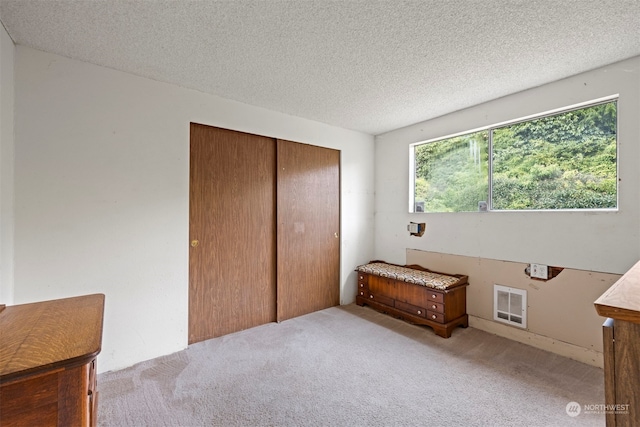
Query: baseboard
{"points": [[584, 355]]}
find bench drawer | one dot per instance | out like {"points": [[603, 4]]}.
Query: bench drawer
{"points": [[381, 299], [410, 308], [436, 317]]}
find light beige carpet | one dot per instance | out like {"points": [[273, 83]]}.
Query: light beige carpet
{"points": [[351, 366]]}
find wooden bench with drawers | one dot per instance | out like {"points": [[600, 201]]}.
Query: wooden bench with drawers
{"points": [[415, 294]]}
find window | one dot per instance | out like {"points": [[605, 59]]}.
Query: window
{"points": [[560, 161], [452, 174]]}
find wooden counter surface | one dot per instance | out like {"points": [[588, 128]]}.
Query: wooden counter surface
{"points": [[622, 300], [47, 335]]}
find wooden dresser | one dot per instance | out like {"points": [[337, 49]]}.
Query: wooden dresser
{"points": [[48, 356], [437, 300], [621, 348]]}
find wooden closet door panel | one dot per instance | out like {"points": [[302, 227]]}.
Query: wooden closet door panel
{"points": [[232, 232], [308, 218]]}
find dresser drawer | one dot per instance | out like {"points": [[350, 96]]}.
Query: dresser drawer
{"points": [[93, 377], [435, 296], [409, 308], [436, 317], [381, 299], [93, 394], [30, 401], [436, 306]]}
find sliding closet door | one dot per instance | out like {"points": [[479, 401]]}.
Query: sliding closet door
{"points": [[308, 228], [232, 256]]}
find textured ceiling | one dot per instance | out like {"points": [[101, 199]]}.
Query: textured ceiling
{"points": [[366, 65]]}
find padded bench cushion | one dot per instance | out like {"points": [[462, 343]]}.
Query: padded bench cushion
{"points": [[410, 275]]}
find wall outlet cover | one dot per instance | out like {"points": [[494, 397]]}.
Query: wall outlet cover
{"points": [[539, 271]]}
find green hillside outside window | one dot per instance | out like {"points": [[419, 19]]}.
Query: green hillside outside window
{"points": [[452, 174], [561, 161]]}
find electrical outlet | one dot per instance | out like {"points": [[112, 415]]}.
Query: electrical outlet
{"points": [[539, 271], [413, 228]]}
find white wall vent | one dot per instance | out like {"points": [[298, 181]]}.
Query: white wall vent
{"points": [[510, 305]]}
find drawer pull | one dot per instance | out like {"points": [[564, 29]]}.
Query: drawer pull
{"points": [[434, 306], [360, 277], [371, 296], [362, 285], [433, 296], [419, 311], [433, 316], [362, 293]]}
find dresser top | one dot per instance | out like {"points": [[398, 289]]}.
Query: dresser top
{"points": [[51, 334], [622, 300]]}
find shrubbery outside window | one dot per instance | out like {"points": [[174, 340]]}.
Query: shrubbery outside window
{"points": [[565, 161]]}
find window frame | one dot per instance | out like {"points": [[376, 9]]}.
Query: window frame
{"points": [[489, 129]]}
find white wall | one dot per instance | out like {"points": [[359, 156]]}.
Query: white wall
{"points": [[7, 50], [596, 241], [101, 194]]}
